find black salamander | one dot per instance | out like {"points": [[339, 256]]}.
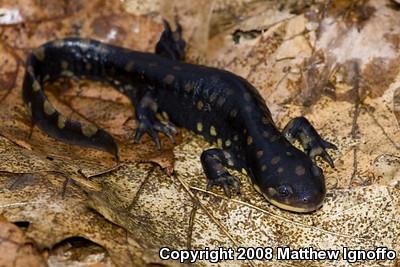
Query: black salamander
{"points": [[220, 106]]}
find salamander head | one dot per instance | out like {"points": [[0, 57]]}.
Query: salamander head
{"points": [[290, 180]]}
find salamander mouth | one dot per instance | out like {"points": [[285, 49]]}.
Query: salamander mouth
{"points": [[303, 208]]}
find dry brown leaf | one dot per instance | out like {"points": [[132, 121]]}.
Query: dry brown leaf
{"points": [[57, 211], [16, 249]]}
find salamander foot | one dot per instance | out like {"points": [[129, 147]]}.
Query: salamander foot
{"points": [[213, 163], [171, 44], [301, 129], [150, 124]]}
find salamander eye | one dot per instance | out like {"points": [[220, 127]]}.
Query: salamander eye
{"points": [[284, 190]]}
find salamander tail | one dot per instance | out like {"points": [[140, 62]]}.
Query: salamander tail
{"points": [[56, 125]]}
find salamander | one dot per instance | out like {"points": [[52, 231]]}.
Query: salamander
{"points": [[166, 92]]}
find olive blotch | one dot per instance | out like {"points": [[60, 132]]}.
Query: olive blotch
{"points": [[219, 142], [275, 160], [188, 87], [64, 65], [48, 108], [300, 170], [213, 131], [169, 79], [61, 120], [199, 126], [263, 168], [36, 86], [39, 53], [228, 143], [129, 66], [249, 140], [165, 115], [89, 130], [29, 108], [200, 105]]}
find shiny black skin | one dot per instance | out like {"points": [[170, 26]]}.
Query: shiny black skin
{"points": [[216, 104]]}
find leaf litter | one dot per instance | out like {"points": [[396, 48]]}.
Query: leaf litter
{"points": [[297, 55]]}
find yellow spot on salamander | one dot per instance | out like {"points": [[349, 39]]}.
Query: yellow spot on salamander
{"points": [[88, 66], [228, 143], [58, 43], [29, 108], [165, 115], [169, 79], [48, 108], [213, 96], [67, 73], [189, 87], [273, 138], [129, 66], [263, 168], [300, 170], [229, 92], [227, 155], [213, 131], [315, 151], [39, 53], [280, 170], [89, 130], [249, 140], [219, 142], [199, 126], [102, 48], [221, 100], [243, 170], [29, 69], [200, 105], [36, 86], [64, 65], [275, 160], [247, 96], [266, 120], [85, 44], [230, 162], [61, 121]]}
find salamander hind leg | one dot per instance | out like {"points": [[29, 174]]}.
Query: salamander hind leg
{"points": [[301, 129], [171, 45], [149, 123], [214, 162]]}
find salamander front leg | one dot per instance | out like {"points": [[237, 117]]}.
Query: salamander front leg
{"points": [[149, 123], [214, 162], [301, 129]]}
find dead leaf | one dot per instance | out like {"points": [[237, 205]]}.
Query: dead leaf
{"points": [[16, 249]]}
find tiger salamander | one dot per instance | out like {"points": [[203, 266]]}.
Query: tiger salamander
{"points": [[220, 106]]}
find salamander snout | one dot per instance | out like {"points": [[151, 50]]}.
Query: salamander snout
{"points": [[299, 189]]}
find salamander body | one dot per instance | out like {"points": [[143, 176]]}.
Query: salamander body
{"points": [[216, 104]]}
